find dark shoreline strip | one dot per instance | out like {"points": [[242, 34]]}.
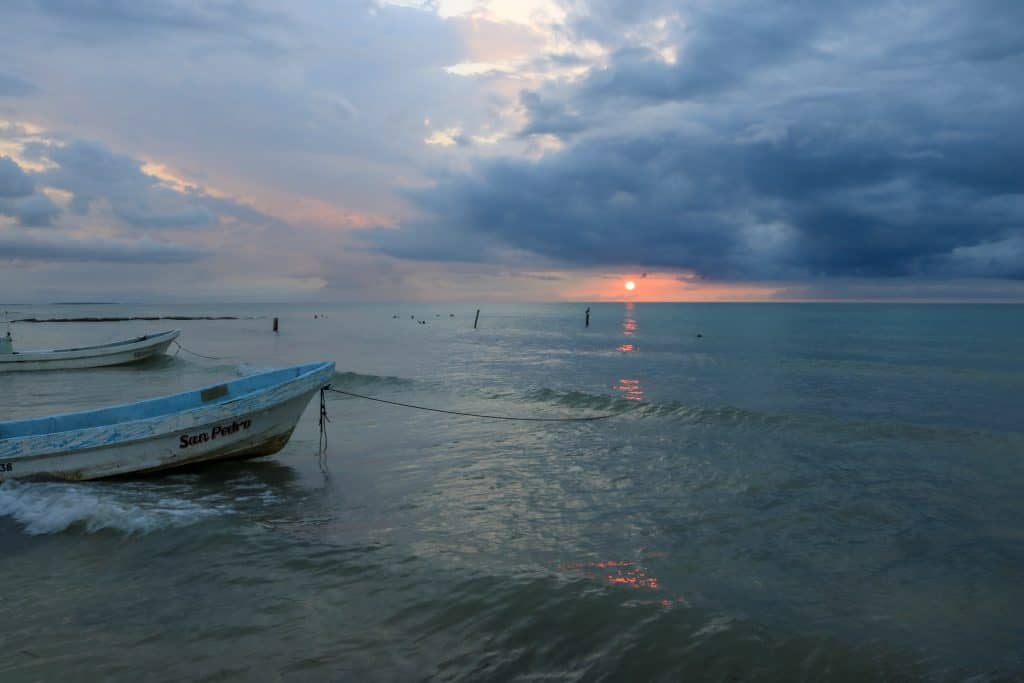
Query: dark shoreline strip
{"points": [[141, 317]]}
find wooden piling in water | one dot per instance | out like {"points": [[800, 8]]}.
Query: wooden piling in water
{"points": [[275, 324], [476, 319]]}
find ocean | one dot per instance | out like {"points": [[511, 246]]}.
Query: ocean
{"points": [[819, 492]]}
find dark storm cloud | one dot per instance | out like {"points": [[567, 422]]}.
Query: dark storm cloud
{"points": [[133, 203], [608, 202], [93, 173], [548, 117], [14, 182], [721, 49], [787, 140], [34, 211], [90, 171], [19, 198]]}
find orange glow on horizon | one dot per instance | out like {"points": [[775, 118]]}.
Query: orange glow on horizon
{"points": [[663, 287]]}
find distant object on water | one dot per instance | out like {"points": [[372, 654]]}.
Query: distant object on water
{"points": [[114, 353], [245, 418]]}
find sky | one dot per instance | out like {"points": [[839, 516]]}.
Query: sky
{"points": [[492, 150]]}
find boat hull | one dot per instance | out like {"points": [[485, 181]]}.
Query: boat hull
{"points": [[249, 427], [99, 356]]}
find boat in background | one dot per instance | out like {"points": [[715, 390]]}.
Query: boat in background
{"points": [[244, 418], [114, 353]]}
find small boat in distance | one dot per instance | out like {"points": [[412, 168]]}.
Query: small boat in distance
{"points": [[114, 353], [244, 418]]}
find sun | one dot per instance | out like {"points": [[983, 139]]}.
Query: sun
{"points": [[630, 285]]}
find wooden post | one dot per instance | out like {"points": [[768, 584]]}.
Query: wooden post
{"points": [[587, 322], [275, 324], [477, 319]]}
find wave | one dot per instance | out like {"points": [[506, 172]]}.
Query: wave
{"points": [[51, 508], [341, 378], [582, 399], [731, 416], [650, 409], [355, 379]]}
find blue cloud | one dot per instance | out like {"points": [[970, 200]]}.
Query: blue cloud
{"points": [[14, 182], [90, 171], [34, 211]]}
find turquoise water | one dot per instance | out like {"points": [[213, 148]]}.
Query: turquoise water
{"points": [[816, 492]]}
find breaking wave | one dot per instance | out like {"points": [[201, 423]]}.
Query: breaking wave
{"points": [[51, 508]]}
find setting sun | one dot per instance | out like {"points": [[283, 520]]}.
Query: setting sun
{"points": [[630, 285]]}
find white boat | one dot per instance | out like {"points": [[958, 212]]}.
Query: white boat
{"points": [[114, 353], [244, 418]]}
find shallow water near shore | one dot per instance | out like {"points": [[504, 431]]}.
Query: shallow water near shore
{"points": [[814, 492]]}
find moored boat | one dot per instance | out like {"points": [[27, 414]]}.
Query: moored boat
{"points": [[245, 418], [114, 353]]}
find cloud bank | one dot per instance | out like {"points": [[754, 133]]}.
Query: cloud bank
{"points": [[753, 140]]}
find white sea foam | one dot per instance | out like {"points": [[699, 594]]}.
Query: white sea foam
{"points": [[50, 508], [245, 369]]}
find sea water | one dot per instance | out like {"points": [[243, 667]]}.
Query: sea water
{"points": [[815, 492]]}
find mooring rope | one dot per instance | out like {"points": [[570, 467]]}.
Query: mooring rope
{"points": [[591, 418], [322, 455], [182, 348]]}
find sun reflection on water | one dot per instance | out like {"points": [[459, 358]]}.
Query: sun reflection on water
{"points": [[629, 324], [623, 573], [629, 328], [630, 389]]}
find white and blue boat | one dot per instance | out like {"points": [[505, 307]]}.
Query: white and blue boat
{"points": [[114, 353], [245, 418]]}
